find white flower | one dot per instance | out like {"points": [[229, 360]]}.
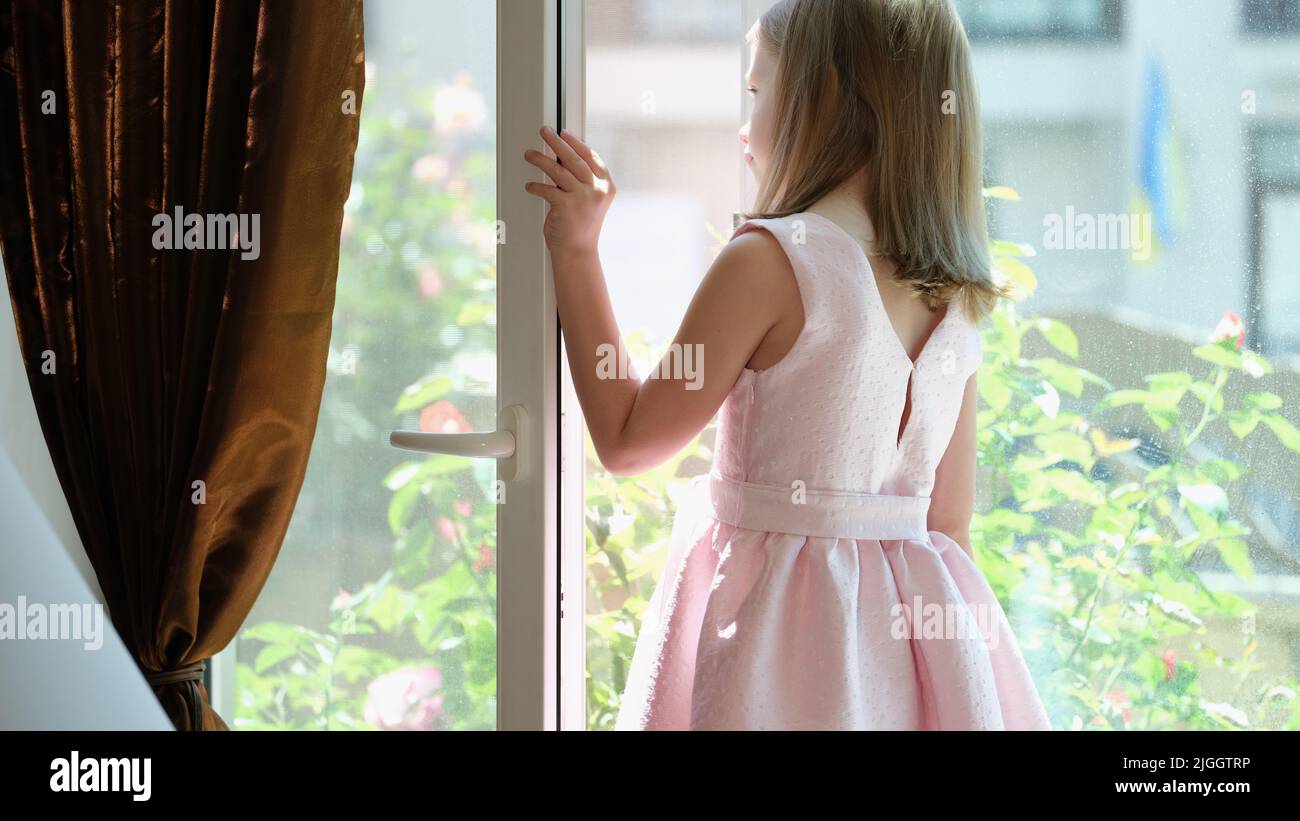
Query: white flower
{"points": [[458, 108]]}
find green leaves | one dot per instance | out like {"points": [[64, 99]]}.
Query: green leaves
{"points": [[1002, 248], [1044, 489], [1104, 562], [1261, 401], [273, 654], [1218, 354], [1067, 445], [1245, 419], [1285, 431], [1061, 376], [1059, 335], [415, 482], [1019, 273], [1225, 354], [1002, 192], [473, 313], [390, 608], [415, 304], [1242, 422], [1219, 471], [1235, 556], [994, 390], [422, 393], [1163, 398]]}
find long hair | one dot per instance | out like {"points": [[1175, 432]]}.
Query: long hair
{"points": [[887, 86]]}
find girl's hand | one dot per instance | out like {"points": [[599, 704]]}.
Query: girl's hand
{"points": [[581, 195]]}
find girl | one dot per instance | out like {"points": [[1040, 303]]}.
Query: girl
{"points": [[819, 576]]}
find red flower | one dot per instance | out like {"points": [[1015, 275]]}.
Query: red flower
{"points": [[484, 560], [1230, 327], [464, 508], [1118, 699], [1171, 662], [443, 417]]}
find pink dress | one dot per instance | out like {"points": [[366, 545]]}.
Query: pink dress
{"points": [[802, 588]]}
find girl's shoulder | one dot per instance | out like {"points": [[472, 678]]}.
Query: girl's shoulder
{"points": [[759, 257], [742, 224]]}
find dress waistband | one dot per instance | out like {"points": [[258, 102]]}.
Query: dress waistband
{"points": [[841, 514]]}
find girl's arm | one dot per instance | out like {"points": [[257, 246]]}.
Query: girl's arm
{"points": [[952, 501], [636, 425]]}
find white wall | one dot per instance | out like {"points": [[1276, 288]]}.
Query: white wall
{"points": [[84, 680], [52, 684], [23, 444]]}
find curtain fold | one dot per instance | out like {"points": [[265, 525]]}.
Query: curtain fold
{"points": [[177, 366]]}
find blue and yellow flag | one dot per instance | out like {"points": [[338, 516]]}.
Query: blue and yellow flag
{"points": [[1160, 201]]}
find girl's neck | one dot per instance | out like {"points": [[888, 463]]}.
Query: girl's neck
{"points": [[846, 207]]}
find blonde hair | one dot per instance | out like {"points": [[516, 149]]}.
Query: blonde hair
{"points": [[872, 84]]}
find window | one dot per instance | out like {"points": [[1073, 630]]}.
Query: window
{"points": [[380, 611], [1270, 16], [1092, 453], [1275, 230], [666, 21], [664, 112], [1177, 122], [1193, 129], [1021, 20]]}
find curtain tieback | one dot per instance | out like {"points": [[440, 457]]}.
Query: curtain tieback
{"points": [[190, 674]]}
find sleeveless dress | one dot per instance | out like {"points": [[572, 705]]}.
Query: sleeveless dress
{"points": [[802, 588]]}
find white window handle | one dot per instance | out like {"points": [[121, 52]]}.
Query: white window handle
{"points": [[506, 444]]}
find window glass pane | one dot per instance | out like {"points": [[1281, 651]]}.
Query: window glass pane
{"points": [[663, 109], [1041, 19], [1270, 16], [380, 611], [1156, 184], [1281, 270], [1143, 546]]}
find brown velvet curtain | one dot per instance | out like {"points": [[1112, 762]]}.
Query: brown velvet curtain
{"points": [[156, 369]]}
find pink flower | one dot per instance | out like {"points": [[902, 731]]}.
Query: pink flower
{"points": [[458, 108], [464, 508], [1171, 663], [405, 699], [1229, 327], [484, 560], [429, 168], [430, 281], [443, 417], [447, 529], [341, 601], [483, 236]]}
